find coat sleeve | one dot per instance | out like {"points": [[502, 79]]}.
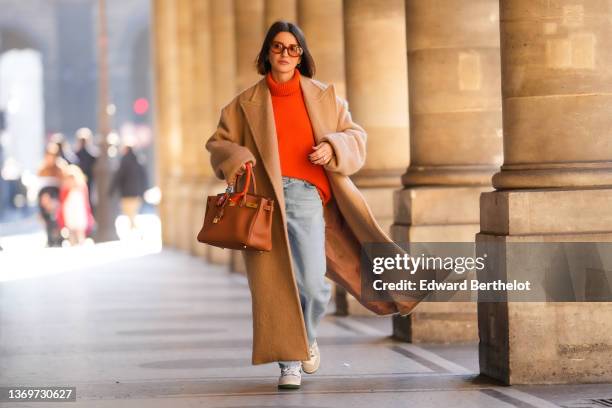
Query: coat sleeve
{"points": [[227, 152], [348, 142]]}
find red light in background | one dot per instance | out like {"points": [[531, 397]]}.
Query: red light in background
{"points": [[141, 106]]}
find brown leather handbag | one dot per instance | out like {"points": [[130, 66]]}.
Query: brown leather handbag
{"points": [[238, 220]]}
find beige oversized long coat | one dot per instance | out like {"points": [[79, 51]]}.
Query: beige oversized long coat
{"points": [[246, 131]]}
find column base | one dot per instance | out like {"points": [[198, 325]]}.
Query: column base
{"points": [[438, 322], [380, 201], [545, 342], [434, 233], [437, 214]]}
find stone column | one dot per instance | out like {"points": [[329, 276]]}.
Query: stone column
{"points": [[555, 185], [203, 121], [224, 49], [250, 34], [224, 90], [322, 23], [455, 142], [184, 114], [280, 10], [187, 84], [377, 90], [168, 112]]}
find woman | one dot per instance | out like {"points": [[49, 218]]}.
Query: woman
{"points": [[50, 175], [303, 145], [75, 211]]}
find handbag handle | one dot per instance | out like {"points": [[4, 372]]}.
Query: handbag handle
{"points": [[223, 200], [249, 176]]}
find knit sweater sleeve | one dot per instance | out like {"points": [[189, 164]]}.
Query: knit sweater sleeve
{"points": [[227, 152], [348, 142]]}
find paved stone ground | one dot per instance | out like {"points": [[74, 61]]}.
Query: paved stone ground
{"points": [[168, 330]]}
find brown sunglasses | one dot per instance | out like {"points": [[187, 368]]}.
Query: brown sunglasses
{"points": [[293, 50]]}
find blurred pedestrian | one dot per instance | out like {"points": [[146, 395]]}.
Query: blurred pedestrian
{"points": [[64, 149], [75, 211], [2, 182], [87, 155], [131, 182], [50, 175]]}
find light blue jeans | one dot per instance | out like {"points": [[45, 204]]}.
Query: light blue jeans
{"points": [[306, 230]]}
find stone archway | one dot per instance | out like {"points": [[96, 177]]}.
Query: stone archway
{"points": [[22, 86], [20, 34]]}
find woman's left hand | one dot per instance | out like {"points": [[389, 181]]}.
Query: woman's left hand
{"points": [[323, 153]]}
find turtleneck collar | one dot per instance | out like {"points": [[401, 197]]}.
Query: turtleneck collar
{"points": [[285, 88]]}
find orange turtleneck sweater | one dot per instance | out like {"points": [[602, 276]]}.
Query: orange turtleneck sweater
{"points": [[295, 135]]}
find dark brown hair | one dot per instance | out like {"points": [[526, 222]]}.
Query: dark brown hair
{"points": [[306, 66]]}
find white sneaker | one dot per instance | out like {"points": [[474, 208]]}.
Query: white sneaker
{"points": [[312, 365], [291, 377]]}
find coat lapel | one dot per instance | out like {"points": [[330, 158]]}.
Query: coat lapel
{"points": [[260, 118], [259, 114], [321, 107]]}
